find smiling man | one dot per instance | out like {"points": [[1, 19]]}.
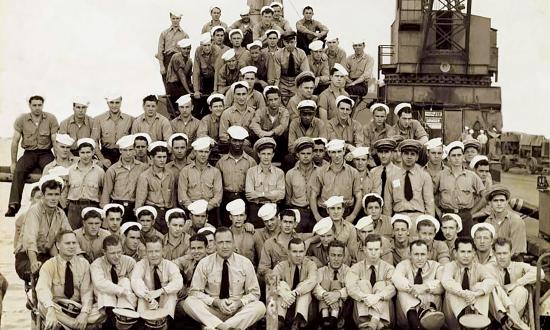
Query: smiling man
{"points": [[79, 124], [342, 126], [408, 127], [90, 236], [151, 122]]}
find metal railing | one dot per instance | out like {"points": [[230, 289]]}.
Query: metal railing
{"points": [[385, 52]]}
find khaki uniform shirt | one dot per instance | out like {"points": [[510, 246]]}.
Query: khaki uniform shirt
{"points": [[373, 134], [188, 127], [195, 183], [154, 189], [168, 40], [234, 171], [263, 122], [460, 191], [349, 131], [339, 56], [69, 126], [325, 279], [327, 100], [320, 68], [422, 187], [92, 248], [36, 136], [261, 235], [204, 65], [271, 180], [209, 126], [308, 275], [120, 182], [331, 181], [175, 248], [278, 64], [317, 128], [414, 131], [292, 105], [453, 272], [254, 99], [361, 272], [159, 130], [142, 277], [360, 66], [101, 274], [244, 244], [297, 185], [109, 128], [231, 117], [512, 227], [85, 185]]}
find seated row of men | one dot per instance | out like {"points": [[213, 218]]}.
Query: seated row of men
{"points": [[464, 270]]}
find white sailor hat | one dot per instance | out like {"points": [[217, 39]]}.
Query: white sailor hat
{"points": [[477, 159], [255, 43], [157, 144], [184, 43], [50, 177], [244, 11], [264, 8], [207, 228], [427, 217], [90, 209], [176, 13], [199, 206], [228, 55], [333, 201], [90, 141], [400, 107], [471, 131], [481, 131], [339, 67], [483, 225], [237, 83], [236, 207], [321, 139], [172, 211], [375, 195], [433, 143], [217, 28], [126, 141], [268, 88], [214, 7], [175, 135], [307, 104], [454, 145], [360, 152], [81, 100], [264, 143], [456, 218], [64, 139], [109, 206], [184, 99], [380, 105], [206, 38], [146, 208], [248, 69], [323, 226], [125, 226], [268, 32], [335, 144], [232, 32], [143, 135], [237, 132], [331, 36], [401, 217], [341, 98], [297, 215], [363, 222], [215, 96], [267, 211], [202, 143], [59, 170], [275, 4], [316, 45], [358, 41], [112, 97]]}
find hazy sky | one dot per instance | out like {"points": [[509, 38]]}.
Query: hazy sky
{"points": [[60, 48]]}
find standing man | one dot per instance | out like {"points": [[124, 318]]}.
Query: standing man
{"points": [[200, 180], [215, 13], [306, 124], [156, 125], [64, 283], [359, 66], [384, 150], [114, 214], [408, 127], [185, 123], [141, 143], [108, 128], [318, 62], [36, 131], [472, 148], [231, 303], [264, 182], [177, 143], [434, 166], [268, 213], [167, 43], [90, 236], [120, 181], [409, 190], [210, 124], [480, 165], [309, 30], [178, 75], [377, 128], [327, 99], [79, 125], [342, 126], [203, 74], [244, 241], [259, 60], [239, 114], [334, 52], [227, 71]]}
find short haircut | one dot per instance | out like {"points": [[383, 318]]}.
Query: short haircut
{"points": [[288, 213], [178, 138], [177, 215], [296, 241], [333, 71], [373, 238], [221, 230], [37, 98], [156, 150], [464, 240], [380, 109], [406, 110], [502, 241], [418, 242], [347, 101], [145, 213], [306, 79], [198, 238], [111, 240], [151, 98], [141, 138], [131, 228], [51, 184], [34, 190], [239, 85], [336, 243], [372, 199], [216, 99], [306, 8], [85, 144], [482, 162], [272, 91], [268, 11], [113, 210], [92, 214], [62, 233], [154, 239], [425, 223]]}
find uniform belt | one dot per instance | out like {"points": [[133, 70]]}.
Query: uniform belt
{"points": [[454, 210], [123, 203], [83, 201]]}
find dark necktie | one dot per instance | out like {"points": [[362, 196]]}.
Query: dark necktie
{"points": [[372, 276], [69, 283], [335, 275], [408, 187], [418, 277], [296, 278], [384, 177], [506, 276], [114, 275], [156, 279], [224, 288], [291, 71], [291, 310], [466, 280]]}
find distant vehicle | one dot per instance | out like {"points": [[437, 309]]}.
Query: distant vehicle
{"points": [[525, 151]]}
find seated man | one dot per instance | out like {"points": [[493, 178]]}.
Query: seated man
{"points": [[224, 292], [342, 126], [319, 252], [130, 236], [427, 227], [244, 240], [360, 66], [365, 227], [419, 289], [113, 216], [369, 284], [156, 282], [309, 30], [467, 284], [146, 217], [401, 224], [512, 277], [483, 235], [188, 263], [90, 236], [451, 225], [64, 288], [111, 278], [331, 288], [480, 165], [297, 278]]}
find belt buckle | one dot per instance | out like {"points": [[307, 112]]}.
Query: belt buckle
{"points": [[125, 204]]}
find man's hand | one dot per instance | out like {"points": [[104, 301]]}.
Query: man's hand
{"points": [[469, 296], [127, 293], [197, 95], [162, 70], [249, 228], [510, 287], [106, 162], [155, 294], [234, 305], [224, 306], [350, 218], [418, 289], [35, 266], [153, 304], [331, 298], [12, 168], [51, 319], [81, 321], [372, 299]]}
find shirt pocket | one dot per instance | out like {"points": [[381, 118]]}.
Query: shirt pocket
{"points": [[44, 135], [214, 281], [93, 187]]}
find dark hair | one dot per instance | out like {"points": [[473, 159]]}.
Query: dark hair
{"points": [[151, 98], [154, 239], [111, 240], [85, 144], [405, 110], [62, 233], [482, 162], [502, 241], [464, 240], [379, 109], [333, 70], [371, 199], [306, 8], [373, 238], [268, 10], [337, 243], [156, 150], [177, 215], [92, 214], [198, 238], [37, 98], [178, 138], [34, 190], [141, 138], [425, 223], [296, 241], [319, 141], [221, 230], [272, 91], [306, 79], [288, 213], [145, 212], [418, 242], [131, 228], [51, 184], [348, 101], [216, 99], [113, 210], [240, 85]]}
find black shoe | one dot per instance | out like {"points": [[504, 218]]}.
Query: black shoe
{"points": [[12, 211]]}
